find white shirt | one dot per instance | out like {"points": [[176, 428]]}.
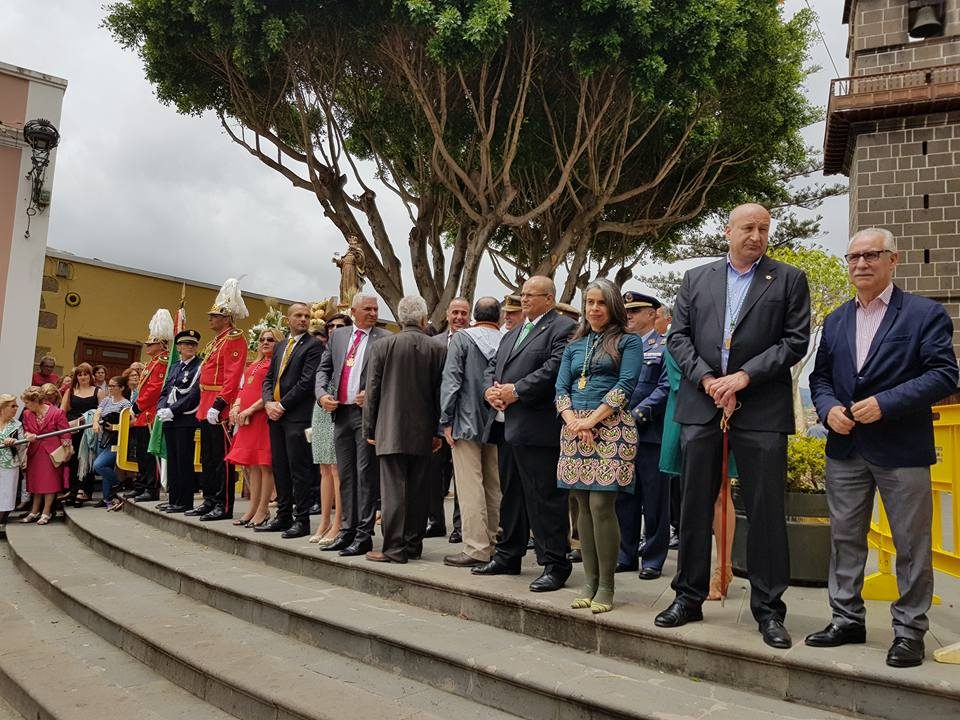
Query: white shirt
{"points": [[353, 382]]}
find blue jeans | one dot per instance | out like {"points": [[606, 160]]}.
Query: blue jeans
{"points": [[106, 467]]}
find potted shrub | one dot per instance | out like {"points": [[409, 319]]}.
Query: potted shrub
{"points": [[808, 518]]}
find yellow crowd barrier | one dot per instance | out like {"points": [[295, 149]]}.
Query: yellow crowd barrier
{"points": [[945, 484], [125, 459]]}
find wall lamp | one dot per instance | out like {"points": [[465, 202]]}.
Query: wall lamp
{"points": [[42, 137]]}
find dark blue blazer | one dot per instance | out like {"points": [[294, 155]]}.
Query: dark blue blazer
{"points": [[650, 395], [910, 366]]}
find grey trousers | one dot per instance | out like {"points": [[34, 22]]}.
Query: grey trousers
{"points": [[851, 485]]}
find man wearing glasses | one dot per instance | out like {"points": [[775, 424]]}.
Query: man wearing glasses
{"points": [[884, 358]]}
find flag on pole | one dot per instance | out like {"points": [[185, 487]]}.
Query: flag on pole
{"points": [[157, 445]]}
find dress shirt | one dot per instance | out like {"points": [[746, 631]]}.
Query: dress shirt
{"points": [[869, 317], [738, 283], [353, 382]]}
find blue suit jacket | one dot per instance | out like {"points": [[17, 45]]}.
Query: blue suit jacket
{"points": [[650, 395], [910, 366]]}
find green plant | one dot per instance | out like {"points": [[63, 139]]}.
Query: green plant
{"points": [[806, 464]]}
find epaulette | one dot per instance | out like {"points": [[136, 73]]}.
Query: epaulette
{"points": [[235, 333]]}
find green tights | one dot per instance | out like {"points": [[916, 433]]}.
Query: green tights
{"points": [[600, 543]]}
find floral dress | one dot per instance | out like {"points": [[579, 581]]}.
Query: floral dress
{"points": [[9, 467], [587, 378]]}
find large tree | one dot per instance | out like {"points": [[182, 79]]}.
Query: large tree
{"points": [[551, 132]]}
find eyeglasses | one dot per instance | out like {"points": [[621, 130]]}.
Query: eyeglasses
{"points": [[870, 256], [263, 340], [532, 295]]}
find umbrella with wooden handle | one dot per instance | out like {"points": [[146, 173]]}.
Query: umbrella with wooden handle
{"points": [[724, 498]]}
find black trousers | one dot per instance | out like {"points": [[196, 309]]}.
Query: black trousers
{"points": [[180, 473], [218, 479], [531, 500], [649, 505], [359, 474], [439, 479], [147, 480], [293, 469], [403, 482], [762, 482]]}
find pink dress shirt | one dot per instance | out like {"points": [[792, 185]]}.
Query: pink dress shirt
{"points": [[869, 317]]}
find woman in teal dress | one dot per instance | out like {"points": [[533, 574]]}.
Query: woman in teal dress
{"points": [[670, 459], [598, 441]]}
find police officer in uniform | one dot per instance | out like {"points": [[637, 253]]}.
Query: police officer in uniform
{"points": [[220, 374], [177, 410], [145, 406], [650, 505]]}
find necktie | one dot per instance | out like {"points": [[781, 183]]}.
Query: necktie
{"points": [[283, 366], [524, 331], [348, 366]]}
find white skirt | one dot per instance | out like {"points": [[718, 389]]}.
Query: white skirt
{"points": [[8, 488]]}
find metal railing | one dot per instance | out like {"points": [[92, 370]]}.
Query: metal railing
{"points": [[900, 86]]}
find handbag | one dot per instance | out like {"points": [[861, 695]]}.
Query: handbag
{"points": [[61, 455]]}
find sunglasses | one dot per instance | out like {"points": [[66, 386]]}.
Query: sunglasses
{"points": [[263, 340]]}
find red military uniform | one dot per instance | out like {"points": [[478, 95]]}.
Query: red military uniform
{"points": [[148, 391], [221, 371]]}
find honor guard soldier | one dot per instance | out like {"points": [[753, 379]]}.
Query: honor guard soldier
{"points": [[650, 505], [220, 373], [177, 410], [144, 407]]}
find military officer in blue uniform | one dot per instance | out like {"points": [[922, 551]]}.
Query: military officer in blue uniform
{"points": [[177, 410], [649, 506]]}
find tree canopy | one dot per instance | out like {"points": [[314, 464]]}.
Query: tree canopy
{"points": [[586, 134]]}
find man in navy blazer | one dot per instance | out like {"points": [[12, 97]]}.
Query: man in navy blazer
{"points": [[884, 358]]}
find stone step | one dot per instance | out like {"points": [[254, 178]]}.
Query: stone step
{"points": [[51, 667], [245, 670], [489, 665], [726, 649]]}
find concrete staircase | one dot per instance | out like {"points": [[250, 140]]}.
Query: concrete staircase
{"points": [[256, 627]]}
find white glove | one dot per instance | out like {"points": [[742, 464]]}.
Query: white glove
{"points": [[164, 415], [213, 416]]}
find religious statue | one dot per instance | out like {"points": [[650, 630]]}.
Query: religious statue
{"points": [[352, 268]]}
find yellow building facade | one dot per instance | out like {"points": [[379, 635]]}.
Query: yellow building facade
{"points": [[97, 312]]}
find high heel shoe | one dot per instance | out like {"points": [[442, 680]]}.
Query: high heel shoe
{"points": [[262, 523], [32, 517], [718, 589], [243, 521], [319, 534]]}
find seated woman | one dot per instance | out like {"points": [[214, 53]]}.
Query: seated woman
{"points": [[598, 442], [106, 422]]}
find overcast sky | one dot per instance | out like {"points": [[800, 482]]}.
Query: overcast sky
{"points": [[139, 185]]}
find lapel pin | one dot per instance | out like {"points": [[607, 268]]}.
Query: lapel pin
{"points": [[769, 277]]}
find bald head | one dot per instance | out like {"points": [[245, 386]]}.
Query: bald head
{"points": [[748, 231], [538, 296]]}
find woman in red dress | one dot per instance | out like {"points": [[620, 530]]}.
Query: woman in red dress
{"points": [[44, 480], [251, 444]]}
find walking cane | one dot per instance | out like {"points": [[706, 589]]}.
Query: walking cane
{"points": [[724, 493]]}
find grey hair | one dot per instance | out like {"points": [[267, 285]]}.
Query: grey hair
{"points": [[667, 309], [889, 241], [359, 298], [411, 310]]}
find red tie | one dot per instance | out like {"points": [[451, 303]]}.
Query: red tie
{"points": [[348, 366]]}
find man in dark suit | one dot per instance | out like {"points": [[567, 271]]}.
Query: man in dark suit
{"points": [[288, 401], [177, 410], [441, 464], [884, 358], [649, 505], [400, 417], [739, 325], [339, 390], [521, 383]]}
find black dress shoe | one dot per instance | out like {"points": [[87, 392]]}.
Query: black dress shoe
{"points": [[549, 581], [201, 509], [277, 525], [218, 513], [625, 567], [678, 614], [775, 634], [342, 542], [649, 573], [905, 653], [494, 568], [834, 636], [359, 547], [298, 529], [175, 509], [456, 536], [314, 509], [435, 530], [575, 556], [145, 497]]}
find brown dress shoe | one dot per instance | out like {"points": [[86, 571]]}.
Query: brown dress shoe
{"points": [[462, 560], [377, 556]]}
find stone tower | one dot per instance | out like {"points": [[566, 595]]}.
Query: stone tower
{"points": [[893, 127]]}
